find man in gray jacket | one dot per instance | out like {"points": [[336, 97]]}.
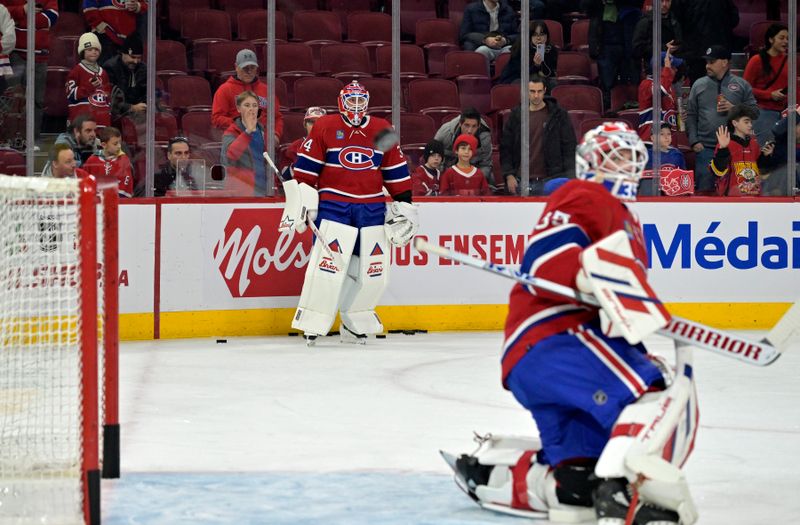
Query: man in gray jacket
{"points": [[470, 123], [709, 101]]}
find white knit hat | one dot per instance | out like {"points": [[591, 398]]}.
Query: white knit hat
{"points": [[88, 41]]}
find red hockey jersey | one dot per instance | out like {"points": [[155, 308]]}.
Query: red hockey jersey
{"points": [[341, 161], [120, 21], [84, 97], [463, 183], [119, 167], [577, 214], [425, 181]]}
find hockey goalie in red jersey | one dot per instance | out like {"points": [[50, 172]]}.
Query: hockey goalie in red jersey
{"points": [[344, 169], [582, 372]]}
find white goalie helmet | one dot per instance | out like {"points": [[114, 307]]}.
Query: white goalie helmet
{"points": [[613, 155]]}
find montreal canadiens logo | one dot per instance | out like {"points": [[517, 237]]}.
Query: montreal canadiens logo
{"points": [[98, 99], [356, 158]]}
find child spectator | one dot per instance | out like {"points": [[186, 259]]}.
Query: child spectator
{"points": [[737, 157], [670, 157], [669, 96], [313, 114], [425, 179], [88, 87], [494, 45], [112, 161], [464, 179]]}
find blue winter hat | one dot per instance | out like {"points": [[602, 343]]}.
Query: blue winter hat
{"points": [[676, 62]]}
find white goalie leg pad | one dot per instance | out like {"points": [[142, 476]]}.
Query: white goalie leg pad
{"points": [[324, 279], [520, 486], [302, 203], [650, 442], [630, 307], [367, 277]]}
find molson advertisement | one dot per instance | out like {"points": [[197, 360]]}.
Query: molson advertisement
{"points": [[224, 269]]}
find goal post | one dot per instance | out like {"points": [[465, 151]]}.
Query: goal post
{"points": [[58, 348]]}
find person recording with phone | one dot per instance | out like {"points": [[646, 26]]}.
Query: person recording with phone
{"points": [[543, 57], [767, 72]]}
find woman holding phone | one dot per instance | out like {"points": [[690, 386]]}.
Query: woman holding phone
{"points": [[543, 57], [767, 72]]}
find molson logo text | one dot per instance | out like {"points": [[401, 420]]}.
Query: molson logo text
{"points": [[256, 260], [689, 248]]}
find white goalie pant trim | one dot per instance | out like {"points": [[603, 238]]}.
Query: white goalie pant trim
{"points": [[504, 452], [324, 279], [651, 440], [367, 278]]}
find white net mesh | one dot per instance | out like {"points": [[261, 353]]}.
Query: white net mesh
{"points": [[40, 382]]}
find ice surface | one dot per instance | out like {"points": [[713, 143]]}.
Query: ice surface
{"points": [[266, 430]]}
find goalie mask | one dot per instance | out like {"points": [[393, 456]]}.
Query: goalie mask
{"points": [[613, 155], [353, 103]]}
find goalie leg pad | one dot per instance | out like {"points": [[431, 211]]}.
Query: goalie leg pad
{"points": [[324, 279], [367, 277]]}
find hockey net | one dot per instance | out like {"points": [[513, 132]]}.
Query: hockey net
{"points": [[58, 348]]}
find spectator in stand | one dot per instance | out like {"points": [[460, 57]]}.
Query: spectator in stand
{"points": [[45, 17], [88, 88], [425, 179], [611, 26], [469, 123], [709, 101], [177, 149], [704, 23], [112, 21], [290, 155], [463, 178], [81, 137], [62, 163], [671, 157], [494, 45], [551, 144], [775, 164], [8, 40], [542, 64], [224, 109], [484, 16], [128, 77], [737, 161], [768, 73], [671, 33], [671, 79], [243, 146], [112, 161]]}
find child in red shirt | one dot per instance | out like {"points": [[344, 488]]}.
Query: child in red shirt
{"points": [[112, 161], [425, 179], [88, 87], [737, 160], [464, 179]]}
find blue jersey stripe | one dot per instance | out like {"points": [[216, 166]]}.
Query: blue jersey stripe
{"points": [[550, 240], [395, 174], [307, 165]]}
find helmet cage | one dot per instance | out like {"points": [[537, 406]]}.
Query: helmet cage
{"points": [[615, 155], [353, 103]]}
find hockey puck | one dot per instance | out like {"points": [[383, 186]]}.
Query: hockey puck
{"points": [[220, 341], [293, 334], [380, 336]]}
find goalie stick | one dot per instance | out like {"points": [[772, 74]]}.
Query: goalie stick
{"points": [[310, 223], [685, 331]]}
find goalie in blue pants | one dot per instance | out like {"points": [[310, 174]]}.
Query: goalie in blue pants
{"points": [[615, 423]]}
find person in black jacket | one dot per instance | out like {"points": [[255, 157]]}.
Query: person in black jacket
{"points": [[705, 23], [128, 77], [552, 142], [542, 65], [671, 34], [177, 149], [478, 21]]}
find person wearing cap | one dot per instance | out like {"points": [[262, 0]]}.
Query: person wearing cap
{"points": [[671, 78], [223, 109], [425, 179], [707, 109], [463, 178], [313, 113], [128, 77], [112, 21], [45, 17], [88, 87]]}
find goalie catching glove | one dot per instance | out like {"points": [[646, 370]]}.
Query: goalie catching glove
{"points": [[302, 203], [401, 223]]}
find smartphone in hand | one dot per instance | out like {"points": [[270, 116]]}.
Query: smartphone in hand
{"points": [[540, 49]]}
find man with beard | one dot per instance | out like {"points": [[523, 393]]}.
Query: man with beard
{"points": [[128, 77]]}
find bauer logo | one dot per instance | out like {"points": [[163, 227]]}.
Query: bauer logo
{"points": [[688, 246], [356, 158], [256, 260], [375, 269]]}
